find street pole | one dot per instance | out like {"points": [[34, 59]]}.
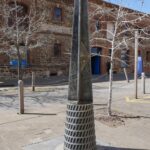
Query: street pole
{"points": [[79, 126], [135, 65]]}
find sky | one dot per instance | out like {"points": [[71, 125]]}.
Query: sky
{"points": [[134, 4]]}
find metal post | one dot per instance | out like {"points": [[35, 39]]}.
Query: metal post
{"points": [[33, 81], [21, 96], [135, 64], [143, 82], [79, 126]]}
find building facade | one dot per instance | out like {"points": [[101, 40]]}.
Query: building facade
{"points": [[53, 55]]}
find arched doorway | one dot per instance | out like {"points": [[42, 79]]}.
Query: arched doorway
{"points": [[96, 60]]}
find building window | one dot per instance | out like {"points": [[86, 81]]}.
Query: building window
{"points": [[96, 50], [109, 52], [139, 52], [148, 56], [98, 26], [21, 11], [57, 50], [110, 30], [57, 14]]}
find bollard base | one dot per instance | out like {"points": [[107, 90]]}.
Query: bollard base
{"points": [[79, 127], [21, 112], [33, 88]]}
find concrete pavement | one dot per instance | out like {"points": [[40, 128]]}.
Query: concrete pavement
{"points": [[45, 115]]}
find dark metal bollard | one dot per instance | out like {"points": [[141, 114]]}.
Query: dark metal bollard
{"points": [[21, 96], [33, 81]]}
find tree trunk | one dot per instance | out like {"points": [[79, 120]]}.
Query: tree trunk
{"points": [[20, 74], [111, 80], [110, 89]]}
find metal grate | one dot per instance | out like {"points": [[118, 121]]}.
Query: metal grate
{"points": [[79, 127]]}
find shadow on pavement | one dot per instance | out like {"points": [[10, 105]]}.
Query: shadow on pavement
{"points": [[99, 104], [63, 80], [59, 80], [115, 148], [40, 114], [131, 116]]}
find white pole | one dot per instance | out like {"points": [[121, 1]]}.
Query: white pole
{"points": [[135, 63], [143, 82], [126, 75]]}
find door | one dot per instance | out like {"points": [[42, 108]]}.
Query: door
{"points": [[96, 61]]}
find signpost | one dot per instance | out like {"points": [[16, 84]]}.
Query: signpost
{"points": [[135, 64]]}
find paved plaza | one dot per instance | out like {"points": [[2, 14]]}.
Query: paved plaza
{"points": [[43, 121]]}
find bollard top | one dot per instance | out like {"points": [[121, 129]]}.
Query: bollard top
{"points": [[20, 82], [143, 73]]}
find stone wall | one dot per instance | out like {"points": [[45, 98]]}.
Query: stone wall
{"points": [[4, 59]]}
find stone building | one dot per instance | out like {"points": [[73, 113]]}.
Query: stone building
{"points": [[52, 58], [105, 26]]}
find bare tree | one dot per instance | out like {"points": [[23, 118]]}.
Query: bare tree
{"points": [[20, 24], [119, 35]]}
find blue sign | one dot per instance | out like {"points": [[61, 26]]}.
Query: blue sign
{"points": [[140, 65]]}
